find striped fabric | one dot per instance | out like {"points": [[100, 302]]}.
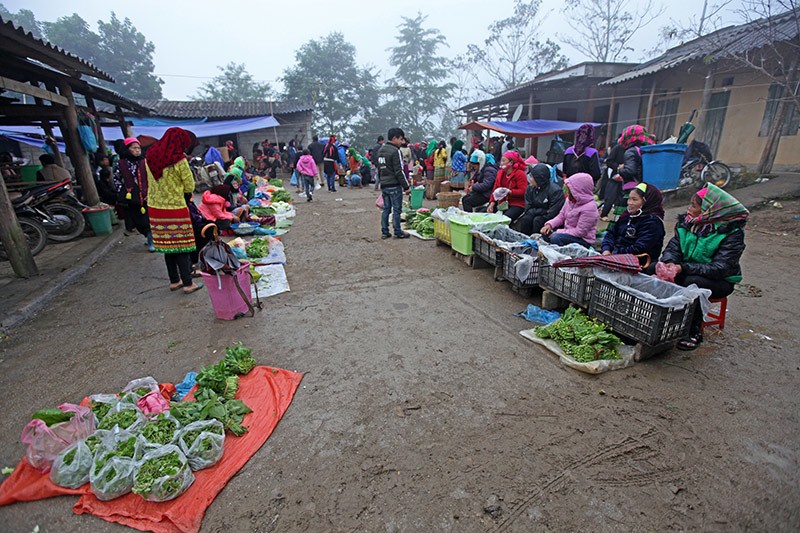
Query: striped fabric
{"points": [[172, 230]]}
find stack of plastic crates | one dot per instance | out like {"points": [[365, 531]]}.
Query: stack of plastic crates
{"points": [[575, 287]]}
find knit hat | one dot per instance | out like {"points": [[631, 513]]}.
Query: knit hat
{"points": [[130, 140]]}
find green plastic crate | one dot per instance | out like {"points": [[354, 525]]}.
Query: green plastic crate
{"points": [[460, 237]]}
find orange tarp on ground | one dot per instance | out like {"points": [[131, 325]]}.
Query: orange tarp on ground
{"points": [[267, 391]]}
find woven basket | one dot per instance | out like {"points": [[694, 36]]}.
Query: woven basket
{"points": [[432, 188], [448, 199]]}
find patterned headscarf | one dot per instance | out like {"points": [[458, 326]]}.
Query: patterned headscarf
{"points": [[653, 200], [636, 135], [719, 206], [169, 150], [584, 138]]}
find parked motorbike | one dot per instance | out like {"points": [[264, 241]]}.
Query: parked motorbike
{"points": [[34, 231], [57, 208], [699, 168]]}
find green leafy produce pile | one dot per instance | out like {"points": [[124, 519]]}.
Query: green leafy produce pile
{"points": [[190, 436], [275, 182], [52, 416], [239, 359], [92, 442], [160, 430], [124, 419], [153, 469], [581, 337], [125, 448], [70, 456], [259, 247], [100, 409], [260, 211], [422, 223], [281, 196]]}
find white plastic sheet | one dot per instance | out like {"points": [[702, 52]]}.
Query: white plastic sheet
{"points": [[273, 281], [594, 367], [656, 291]]}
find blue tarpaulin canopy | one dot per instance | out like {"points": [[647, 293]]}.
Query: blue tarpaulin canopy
{"points": [[527, 128], [33, 141], [201, 129]]}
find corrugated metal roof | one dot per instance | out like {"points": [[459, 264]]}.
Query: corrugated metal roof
{"points": [[720, 44], [197, 109], [14, 39]]}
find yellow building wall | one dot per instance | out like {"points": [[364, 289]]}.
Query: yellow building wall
{"points": [[739, 143]]}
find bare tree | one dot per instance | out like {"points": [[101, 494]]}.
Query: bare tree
{"points": [[512, 53], [608, 26], [679, 31]]}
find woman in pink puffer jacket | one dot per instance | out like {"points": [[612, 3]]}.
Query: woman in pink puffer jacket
{"points": [[578, 216]]}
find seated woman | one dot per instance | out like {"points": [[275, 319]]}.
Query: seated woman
{"points": [[216, 207], [481, 182], [640, 229], [577, 220], [543, 200], [707, 247], [512, 177]]}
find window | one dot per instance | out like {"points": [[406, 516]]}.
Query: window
{"points": [[792, 116], [666, 110]]}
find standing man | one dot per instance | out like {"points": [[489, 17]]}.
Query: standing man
{"points": [[374, 160], [316, 148], [393, 182], [330, 154]]}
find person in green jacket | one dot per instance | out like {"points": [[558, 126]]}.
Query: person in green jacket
{"points": [[706, 249]]}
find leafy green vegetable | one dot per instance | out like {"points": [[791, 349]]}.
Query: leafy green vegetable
{"points": [[275, 182], [421, 222], [125, 448], [155, 468], [160, 430], [213, 377], [239, 359], [52, 416], [141, 391], [261, 211], [70, 456], [208, 404], [100, 409], [581, 337], [92, 442], [259, 247], [280, 196], [124, 419]]}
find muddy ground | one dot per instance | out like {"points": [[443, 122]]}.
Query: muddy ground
{"points": [[423, 409]]}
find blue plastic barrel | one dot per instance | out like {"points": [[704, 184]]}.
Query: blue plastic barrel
{"points": [[661, 165]]}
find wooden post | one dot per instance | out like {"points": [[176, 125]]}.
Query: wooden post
{"points": [[274, 129], [100, 139], [83, 172], [778, 121], [650, 105], [610, 123], [529, 140], [700, 131], [123, 124], [13, 238]]}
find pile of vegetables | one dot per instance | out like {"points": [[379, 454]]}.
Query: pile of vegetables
{"points": [[580, 337], [280, 196], [160, 430], [421, 222], [124, 418], [262, 210], [258, 248], [162, 474], [275, 182]]}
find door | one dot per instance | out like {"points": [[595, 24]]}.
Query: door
{"points": [[715, 120]]}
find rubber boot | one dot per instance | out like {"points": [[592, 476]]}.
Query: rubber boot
{"points": [[150, 247]]}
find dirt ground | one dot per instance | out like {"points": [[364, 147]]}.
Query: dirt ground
{"points": [[423, 409]]}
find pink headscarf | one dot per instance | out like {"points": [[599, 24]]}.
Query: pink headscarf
{"points": [[516, 160], [130, 140]]}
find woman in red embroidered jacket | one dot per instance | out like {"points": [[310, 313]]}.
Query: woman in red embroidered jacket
{"points": [[511, 176]]}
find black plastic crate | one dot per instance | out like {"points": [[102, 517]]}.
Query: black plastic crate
{"points": [[484, 247], [509, 264], [576, 288], [640, 320]]}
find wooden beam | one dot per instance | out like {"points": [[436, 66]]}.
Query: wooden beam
{"points": [[100, 140], [76, 152], [123, 124], [31, 90], [13, 238], [30, 110]]}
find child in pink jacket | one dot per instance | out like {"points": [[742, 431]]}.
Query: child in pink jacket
{"points": [[307, 169], [578, 216]]}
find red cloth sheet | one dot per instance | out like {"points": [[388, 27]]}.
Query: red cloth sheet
{"points": [[267, 391]]}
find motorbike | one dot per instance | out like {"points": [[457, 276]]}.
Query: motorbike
{"points": [[699, 168], [56, 208], [33, 230]]}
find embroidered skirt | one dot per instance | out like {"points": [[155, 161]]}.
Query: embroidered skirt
{"points": [[172, 230], [439, 173]]}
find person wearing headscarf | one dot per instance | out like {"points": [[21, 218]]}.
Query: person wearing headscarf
{"points": [[169, 178], [626, 175], [707, 248], [244, 183], [577, 220], [214, 206], [330, 154], [131, 180], [440, 161], [640, 229], [543, 199], [458, 167], [512, 177], [481, 182], [581, 156]]}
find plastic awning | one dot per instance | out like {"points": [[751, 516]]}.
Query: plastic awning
{"points": [[527, 128], [32, 141], [201, 129]]}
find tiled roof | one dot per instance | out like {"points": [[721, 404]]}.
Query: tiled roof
{"points": [[16, 40], [197, 109], [720, 44]]}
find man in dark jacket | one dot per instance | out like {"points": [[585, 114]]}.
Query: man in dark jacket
{"points": [[316, 148], [543, 200], [482, 183], [374, 158], [393, 182]]}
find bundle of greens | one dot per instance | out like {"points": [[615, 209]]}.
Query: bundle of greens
{"points": [[280, 196], [100, 404], [111, 475], [219, 379], [422, 223], [580, 337], [162, 474], [261, 210], [161, 429], [203, 443], [124, 416], [239, 359], [209, 405], [275, 182], [258, 248], [71, 467], [52, 416]]}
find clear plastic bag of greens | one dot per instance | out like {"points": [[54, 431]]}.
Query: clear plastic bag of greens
{"points": [[203, 443], [161, 429], [162, 474], [111, 475], [136, 388], [101, 404], [124, 416], [71, 467]]}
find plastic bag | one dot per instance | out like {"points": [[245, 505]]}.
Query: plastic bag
{"points": [[164, 487], [153, 404], [101, 404], [137, 388], [153, 435], [115, 421], [276, 255], [45, 443], [207, 447], [537, 314], [379, 201], [71, 467], [184, 387], [666, 271], [111, 475], [626, 354], [293, 180]]}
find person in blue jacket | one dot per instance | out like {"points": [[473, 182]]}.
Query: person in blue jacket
{"points": [[640, 229]]}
